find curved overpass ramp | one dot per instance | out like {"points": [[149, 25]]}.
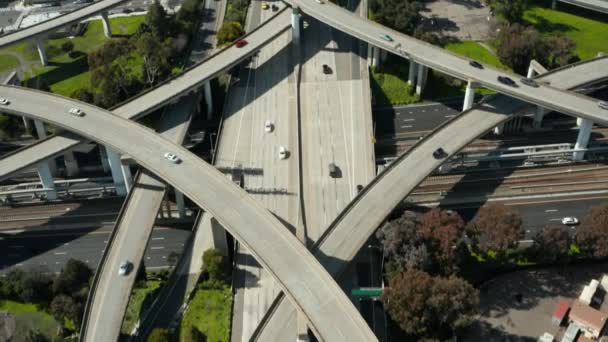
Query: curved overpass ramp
{"points": [[442, 60], [353, 227], [594, 5], [154, 98], [58, 22], [304, 280]]}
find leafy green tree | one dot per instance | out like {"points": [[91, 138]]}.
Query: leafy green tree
{"points": [[67, 46], [63, 307], [496, 227], [156, 57], [159, 335], [551, 244], [34, 287], [34, 335], [562, 51], [83, 95], [229, 32], [73, 277], [430, 307], [215, 264], [188, 14], [400, 15], [518, 45], [592, 235], [156, 20], [511, 10]]}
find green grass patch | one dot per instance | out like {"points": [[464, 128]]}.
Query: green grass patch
{"points": [[8, 62], [126, 25], [591, 36], [208, 312], [29, 317], [476, 51], [140, 299], [389, 83]]}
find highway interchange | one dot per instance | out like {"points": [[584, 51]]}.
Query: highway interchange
{"points": [[358, 213]]}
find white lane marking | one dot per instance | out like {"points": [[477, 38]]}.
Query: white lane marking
{"points": [[158, 247], [406, 126], [424, 110], [555, 219], [158, 238], [526, 241], [550, 210], [407, 120], [450, 116], [60, 253]]}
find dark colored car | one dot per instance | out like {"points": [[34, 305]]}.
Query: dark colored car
{"points": [[529, 82], [333, 170], [507, 81], [240, 43], [359, 188], [274, 7], [326, 69], [439, 153], [475, 64]]}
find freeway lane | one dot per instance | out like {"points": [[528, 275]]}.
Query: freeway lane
{"points": [[349, 232], [305, 281], [50, 249], [58, 22], [411, 119], [154, 98], [451, 64]]}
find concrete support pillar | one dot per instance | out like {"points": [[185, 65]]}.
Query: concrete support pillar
{"points": [[107, 30], [530, 73], [421, 79], [26, 123], [579, 122], [499, 129], [538, 116], [71, 164], [104, 159], [167, 207], [46, 178], [296, 24], [383, 55], [181, 206], [469, 96], [370, 51], [208, 99], [41, 132], [117, 172], [411, 77], [127, 176], [582, 140], [41, 52], [376, 57]]}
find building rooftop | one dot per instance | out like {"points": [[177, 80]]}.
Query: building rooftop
{"points": [[587, 316], [561, 309]]}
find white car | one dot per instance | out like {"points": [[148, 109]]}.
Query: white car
{"points": [[282, 152], [124, 268], [172, 158], [570, 220], [268, 126], [76, 112], [319, 2], [4, 102]]}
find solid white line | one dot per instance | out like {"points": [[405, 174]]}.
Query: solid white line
{"points": [[555, 219], [526, 241], [407, 120], [158, 238], [406, 126], [550, 210], [159, 247]]}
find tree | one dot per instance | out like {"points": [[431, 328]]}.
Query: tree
{"points": [[156, 57], [67, 46], [229, 32], [511, 10], [156, 20], [551, 244], [592, 235], [442, 229], [403, 246], [63, 307], [33, 287], [518, 45], [496, 227], [426, 306], [83, 95], [34, 335], [159, 335], [401, 15], [73, 277], [215, 264], [562, 51], [188, 14]]}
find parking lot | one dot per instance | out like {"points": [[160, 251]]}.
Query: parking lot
{"points": [[463, 19]]}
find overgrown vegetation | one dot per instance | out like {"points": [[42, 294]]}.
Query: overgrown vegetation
{"points": [[234, 21]]}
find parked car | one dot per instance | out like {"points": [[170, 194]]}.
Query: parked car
{"points": [[76, 112], [326, 69], [125, 268], [570, 221], [240, 43], [506, 80], [172, 158], [4, 102], [476, 64], [529, 82], [439, 153], [282, 152]]}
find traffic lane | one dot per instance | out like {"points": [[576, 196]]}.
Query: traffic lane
{"points": [[537, 214], [53, 251], [414, 118]]}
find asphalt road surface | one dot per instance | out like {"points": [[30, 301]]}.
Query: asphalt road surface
{"points": [[412, 119]]}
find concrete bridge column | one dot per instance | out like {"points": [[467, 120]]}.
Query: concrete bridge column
{"points": [[41, 52], [41, 132], [208, 99], [118, 175], [376, 57], [46, 178], [538, 116], [103, 155], [499, 129], [181, 206], [582, 140], [421, 79], [370, 51], [411, 77], [107, 30], [296, 24], [71, 164], [469, 96]]}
